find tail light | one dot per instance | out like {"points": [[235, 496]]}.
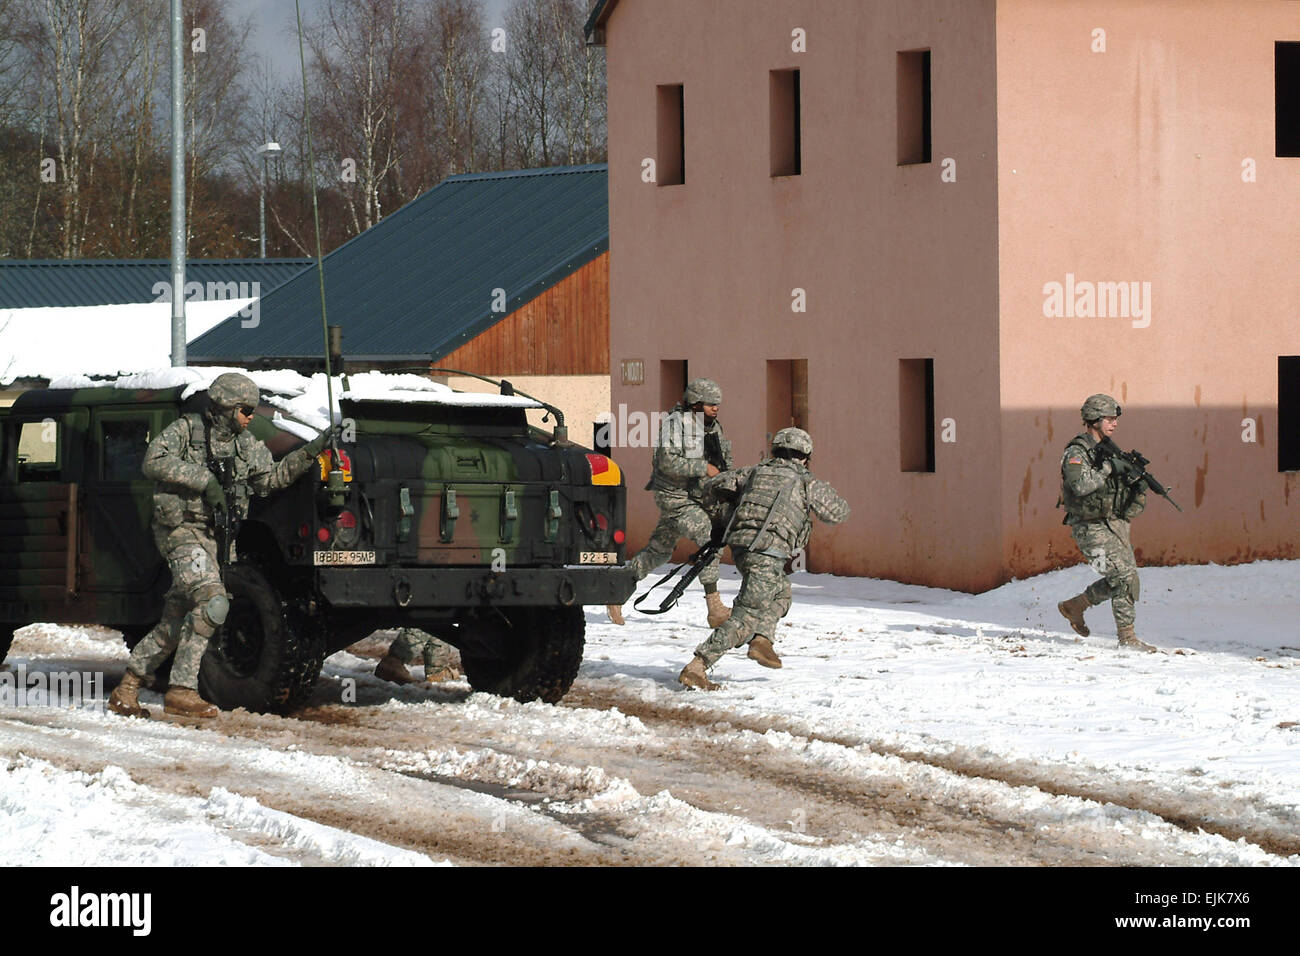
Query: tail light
{"points": [[326, 463], [604, 471]]}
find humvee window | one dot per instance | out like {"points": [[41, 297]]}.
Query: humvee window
{"points": [[124, 444], [38, 451]]}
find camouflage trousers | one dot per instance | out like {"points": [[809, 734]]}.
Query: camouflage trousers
{"points": [[679, 518], [194, 599], [763, 600], [411, 641], [1106, 545]]}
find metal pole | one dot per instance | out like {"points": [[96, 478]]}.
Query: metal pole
{"points": [[178, 185], [261, 207]]}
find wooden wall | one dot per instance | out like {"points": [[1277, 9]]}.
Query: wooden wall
{"points": [[564, 331]]}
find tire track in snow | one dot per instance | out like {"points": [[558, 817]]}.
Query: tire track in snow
{"points": [[1276, 830]]}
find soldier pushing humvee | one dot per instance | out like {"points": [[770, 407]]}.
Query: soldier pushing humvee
{"points": [[187, 461]]}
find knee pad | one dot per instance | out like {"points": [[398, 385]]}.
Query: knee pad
{"points": [[215, 609]]}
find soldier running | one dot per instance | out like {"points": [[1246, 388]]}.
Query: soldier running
{"points": [[1099, 505], [773, 521], [691, 448], [187, 462]]}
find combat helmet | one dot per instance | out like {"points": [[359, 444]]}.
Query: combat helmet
{"points": [[703, 391], [795, 440], [1100, 406], [231, 389]]}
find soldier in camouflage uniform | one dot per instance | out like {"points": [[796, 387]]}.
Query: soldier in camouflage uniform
{"points": [[441, 660], [691, 448], [1100, 500], [773, 521], [187, 461]]}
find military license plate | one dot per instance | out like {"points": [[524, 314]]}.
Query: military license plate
{"points": [[598, 557], [343, 557]]}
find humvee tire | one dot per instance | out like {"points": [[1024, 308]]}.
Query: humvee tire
{"points": [[257, 659], [540, 663]]}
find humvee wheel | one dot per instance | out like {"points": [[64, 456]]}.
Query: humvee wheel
{"points": [[256, 659], [543, 651]]}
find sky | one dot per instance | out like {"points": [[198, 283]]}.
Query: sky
{"points": [[273, 35]]}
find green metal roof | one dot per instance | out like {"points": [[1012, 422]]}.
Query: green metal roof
{"points": [[421, 282], [45, 283]]}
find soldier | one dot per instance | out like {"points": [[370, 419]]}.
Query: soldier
{"points": [[1099, 504], [691, 447], [441, 660], [187, 462], [777, 498]]}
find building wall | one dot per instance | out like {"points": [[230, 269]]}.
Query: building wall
{"points": [[1127, 165], [582, 398], [563, 331], [894, 263]]}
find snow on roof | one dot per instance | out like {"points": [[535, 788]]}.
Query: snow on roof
{"points": [[304, 398], [101, 340]]}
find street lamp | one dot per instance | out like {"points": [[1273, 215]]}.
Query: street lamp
{"points": [[265, 150]]}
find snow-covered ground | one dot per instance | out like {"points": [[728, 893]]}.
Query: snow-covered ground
{"points": [[909, 725]]}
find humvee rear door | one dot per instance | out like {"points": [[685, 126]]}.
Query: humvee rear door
{"points": [[38, 515]]}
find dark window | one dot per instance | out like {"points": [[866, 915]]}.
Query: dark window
{"points": [[672, 382], [124, 444], [1288, 413], [787, 395], [38, 451], [916, 414], [913, 107], [670, 167], [1286, 80], [783, 86]]}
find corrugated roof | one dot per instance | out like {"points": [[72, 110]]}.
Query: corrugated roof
{"points": [[62, 283], [421, 282]]}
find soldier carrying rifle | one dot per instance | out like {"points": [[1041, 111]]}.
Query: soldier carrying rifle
{"points": [[690, 449], [1102, 491]]}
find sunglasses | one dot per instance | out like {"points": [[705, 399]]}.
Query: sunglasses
{"points": [[247, 410]]}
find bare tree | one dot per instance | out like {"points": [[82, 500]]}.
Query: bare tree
{"points": [[73, 49]]}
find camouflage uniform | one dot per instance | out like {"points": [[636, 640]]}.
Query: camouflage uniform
{"points": [[437, 655], [688, 444], [773, 521], [1099, 508], [184, 529]]}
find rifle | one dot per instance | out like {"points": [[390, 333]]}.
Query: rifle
{"points": [[225, 524], [1139, 464], [693, 566]]}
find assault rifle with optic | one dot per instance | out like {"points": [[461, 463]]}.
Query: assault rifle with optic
{"points": [[1137, 468]]}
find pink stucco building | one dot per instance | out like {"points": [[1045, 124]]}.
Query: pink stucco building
{"points": [[925, 230]]}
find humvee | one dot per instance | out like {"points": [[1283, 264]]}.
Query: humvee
{"points": [[456, 517]]}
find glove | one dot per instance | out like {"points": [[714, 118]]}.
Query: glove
{"points": [[1122, 468], [214, 494], [319, 443]]}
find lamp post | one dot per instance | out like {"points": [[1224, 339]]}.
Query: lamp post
{"points": [[265, 151]]}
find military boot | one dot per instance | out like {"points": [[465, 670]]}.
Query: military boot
{"points": [[615, 613], [719, 613], [1073, 611], [125, 698], [393, 670], [185, 702], [696, 675], [761, 650], [1129, 641], [436, 675]]}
